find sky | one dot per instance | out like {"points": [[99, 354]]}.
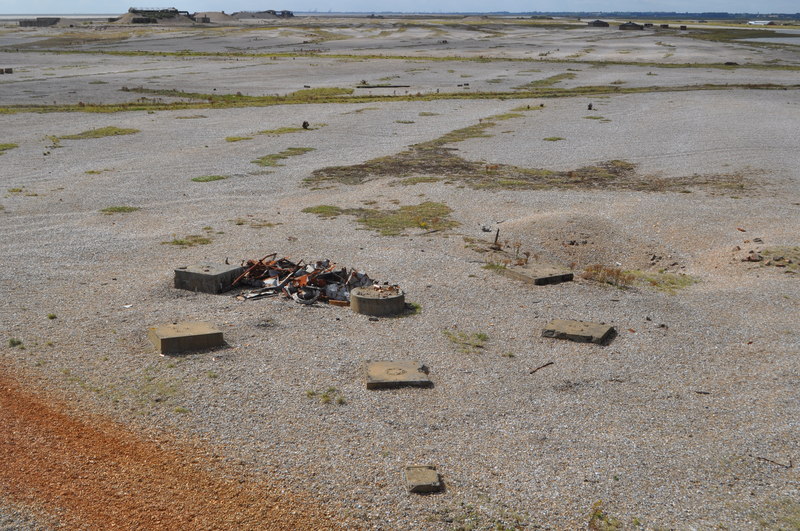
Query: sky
{"points": [[9, 7]]}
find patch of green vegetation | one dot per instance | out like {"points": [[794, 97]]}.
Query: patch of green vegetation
{"points": [[204, 101], [237, 138], [426, 113], [15, 190], [119, 210], [255, 223], [324, 211], [425, 158], [467, 342], [428, 215], [100, 133], [96, 172], [330, 395], [189, 241], [494, 266], [784, 257], [52, 316], [192, 117], [281, 131], [180, 409], [7, 147], [594, 117], [663, 281], [98, 82], [546, 82], [411, 181], [554, 138], [404, 121], [14, 342], [599, 520], [272, 160], [209, 178]]}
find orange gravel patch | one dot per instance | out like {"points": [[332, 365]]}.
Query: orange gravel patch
{"points": [[91, 473]]}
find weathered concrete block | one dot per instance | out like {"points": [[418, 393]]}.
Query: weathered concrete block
{"points": [[381, 374], [422, 479], [377, 301], [581, 331], [208, 278], [185, 337], [538, 274]]}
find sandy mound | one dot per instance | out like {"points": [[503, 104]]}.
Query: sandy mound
{"points": [[253, 14]]}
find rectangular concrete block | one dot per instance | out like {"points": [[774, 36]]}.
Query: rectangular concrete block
{"points": [[186, 336], [581, 331], [538, 274], [207, 278], [422, 479], [382, 374]]}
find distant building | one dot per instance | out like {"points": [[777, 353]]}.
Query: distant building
{"points": [[760, 22], [631, 26], [598, 24]]}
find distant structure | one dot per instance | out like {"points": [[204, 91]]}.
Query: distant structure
{"points": [[39, 22], [269, 13], [151, 15], [631, 26], [598, 24], [761, 23]]}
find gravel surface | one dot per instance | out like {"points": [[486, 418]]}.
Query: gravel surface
{"points": [[686, 420]]}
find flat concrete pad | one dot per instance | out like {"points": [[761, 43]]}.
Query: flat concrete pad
{"points": [[382, 374], [208, 278], [581, 331], [422, 479], [185, 337], [538, 274]]}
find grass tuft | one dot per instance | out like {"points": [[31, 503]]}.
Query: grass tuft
{"points": [[429, 216], [469, 343], [189, 241], [209, 178], [609, 275], [272, 160], [99, 133], [7, 147]]}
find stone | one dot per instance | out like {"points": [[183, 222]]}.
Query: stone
{"points": [[537, 274], [207, 278], [382, 374], [422, 479], [581, 331], [186, 336]]}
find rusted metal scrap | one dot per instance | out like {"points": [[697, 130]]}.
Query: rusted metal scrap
{"points": [[304, 282]]}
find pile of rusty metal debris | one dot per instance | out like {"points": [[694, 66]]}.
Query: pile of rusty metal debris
{"points": [[304, 282]]}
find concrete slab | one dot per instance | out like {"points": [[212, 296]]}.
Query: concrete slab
{"points": [[382, 374], [207, 278], [422, 479], [581, 331], [186, 336], [538, 274]]}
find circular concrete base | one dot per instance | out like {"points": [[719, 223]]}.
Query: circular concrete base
{"points": [[377, 301]]}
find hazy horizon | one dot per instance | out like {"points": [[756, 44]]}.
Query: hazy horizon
{"points": [[97, 7]]}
